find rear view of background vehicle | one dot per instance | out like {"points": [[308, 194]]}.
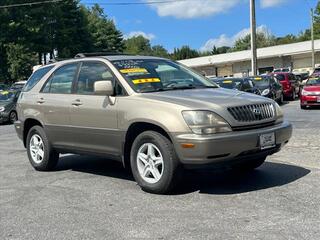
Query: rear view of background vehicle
{"points": [[269, 87], [17, 86], [291, 85], [152, 114], [310, 94], [241, 84], [8, 101]]}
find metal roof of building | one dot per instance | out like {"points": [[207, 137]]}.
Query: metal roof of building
{"points": [[274, 51]]}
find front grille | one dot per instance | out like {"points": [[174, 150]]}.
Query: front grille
{"points": [[253, 112], [255, 126]]}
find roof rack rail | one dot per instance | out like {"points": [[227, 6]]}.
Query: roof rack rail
{"points": [[97, 54]]}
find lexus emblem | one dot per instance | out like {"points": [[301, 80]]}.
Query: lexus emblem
{"points": [[256, 112]]}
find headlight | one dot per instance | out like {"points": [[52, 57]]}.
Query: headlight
{"points": [[265, 92], [205, 122], [279, 114], [2, 109]]}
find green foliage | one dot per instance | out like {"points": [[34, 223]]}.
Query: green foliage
{"points": [[184, 52], [138, 45], [159, 51], [20, 61], [220, 50], [263, 40]]}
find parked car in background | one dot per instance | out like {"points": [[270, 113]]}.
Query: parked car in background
{"points": [[310, 94], [290, 84], [8, 101], [241, 84], [17, 86], [3, 87], [315, 73], [269, 87]]}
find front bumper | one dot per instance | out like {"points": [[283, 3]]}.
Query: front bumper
{"points": [[4, 117], [225, 147], [310, 100]]}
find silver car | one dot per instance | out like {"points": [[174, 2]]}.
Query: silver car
{"points": [[154, 115]]}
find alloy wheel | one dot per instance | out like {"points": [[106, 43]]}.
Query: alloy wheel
{"points": [[36, 149], [150, 163]]}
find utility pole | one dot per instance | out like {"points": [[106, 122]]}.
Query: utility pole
{"points": [[312, 40], [253, 37]]}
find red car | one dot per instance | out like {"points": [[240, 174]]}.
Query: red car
{"points": [[310, 94], [290, 84]]}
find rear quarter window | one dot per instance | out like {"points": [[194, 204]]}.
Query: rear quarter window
{"points": [[35, 78]]}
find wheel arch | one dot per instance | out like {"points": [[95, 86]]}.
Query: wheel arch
{"points": [[28, 124], [133, 131]]}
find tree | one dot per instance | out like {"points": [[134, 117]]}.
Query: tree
{"points": [[103, 32], [20, 61], [159, 51], [184, 52], [138, 45], [263, 40]]}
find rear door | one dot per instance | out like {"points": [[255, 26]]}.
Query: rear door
{"points": [[54, 99], [93, 117]]}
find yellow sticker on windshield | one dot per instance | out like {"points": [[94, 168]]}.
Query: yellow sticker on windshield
{"points": [[146, 80], [228, 81], [5, 93], [258, 78], [134, 70]]}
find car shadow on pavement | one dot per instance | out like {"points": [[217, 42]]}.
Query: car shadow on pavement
{"points": [[269, 175], [94, 165]]}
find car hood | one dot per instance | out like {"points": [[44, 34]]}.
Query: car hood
{"points": [[312, 88], [206, 98]]}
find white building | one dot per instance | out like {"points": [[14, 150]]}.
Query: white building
{"points": [[297, 56]]}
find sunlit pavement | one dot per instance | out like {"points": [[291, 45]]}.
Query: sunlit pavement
{"points": [[92, 198]]}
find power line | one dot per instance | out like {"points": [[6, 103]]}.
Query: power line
{"points": [[29, 4], [137, 3]]}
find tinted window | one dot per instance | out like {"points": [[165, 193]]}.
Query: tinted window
{"points": [[280, 77], [35, 78], [61, 80], [90, 73]]}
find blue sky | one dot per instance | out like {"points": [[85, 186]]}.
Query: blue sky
{"points": [[203, 23]]}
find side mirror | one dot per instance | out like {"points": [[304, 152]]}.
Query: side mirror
{"points": [[103, 88]]}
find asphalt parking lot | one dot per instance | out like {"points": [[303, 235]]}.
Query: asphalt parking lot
{"points": [[92, 198]]}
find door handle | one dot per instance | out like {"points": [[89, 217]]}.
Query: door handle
{"points": [[40, 101], [77, 103]]}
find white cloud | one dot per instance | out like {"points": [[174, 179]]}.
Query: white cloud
{"points": [[271, 3], [193, 9], [149, 36], [224, 40]]}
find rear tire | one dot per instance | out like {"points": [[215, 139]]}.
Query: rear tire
{"points": [[249, 166], [40, 152], [154, 163], [303, 106]]}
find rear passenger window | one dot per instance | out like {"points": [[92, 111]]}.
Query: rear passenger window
{"points": [[61, 80], [90, 73], [35, 78]]}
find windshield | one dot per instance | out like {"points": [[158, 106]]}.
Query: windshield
{"points": [[280, 77], [6, 96], [313, 81], [260, 81], [230, 83], [152, 75]]}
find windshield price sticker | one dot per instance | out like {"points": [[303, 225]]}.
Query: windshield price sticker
{"points": [[134, 70], [258, 78], [4, 93], [146, 80], [227, 81]]}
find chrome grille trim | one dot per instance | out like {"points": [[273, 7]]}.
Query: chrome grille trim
{"points": [[253, 112]]}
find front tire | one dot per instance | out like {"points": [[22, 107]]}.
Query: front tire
{"points": [[13, 117], [303, 106], [154, 163], [40, 152]]}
